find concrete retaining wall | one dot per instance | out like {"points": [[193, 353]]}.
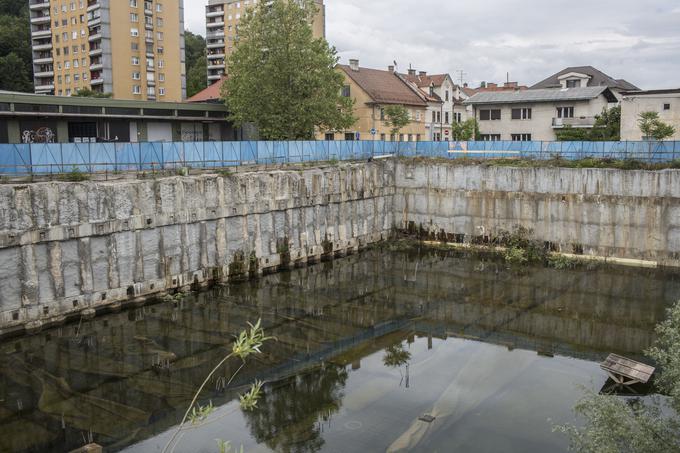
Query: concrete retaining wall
{"points": [[69, 248], [605, 212]]}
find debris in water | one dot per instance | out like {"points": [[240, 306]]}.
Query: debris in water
{"points": [[427, 418]]}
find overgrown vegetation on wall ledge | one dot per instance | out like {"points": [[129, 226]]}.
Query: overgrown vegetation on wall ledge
{"points": [[558, 162]]}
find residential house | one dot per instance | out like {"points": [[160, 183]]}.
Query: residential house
{"points": [[585, 76], [665, 102], [537, 114], [443, 113], [372, 91]]}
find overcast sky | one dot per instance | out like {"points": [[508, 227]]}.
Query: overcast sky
{"points": [[636, 40]]}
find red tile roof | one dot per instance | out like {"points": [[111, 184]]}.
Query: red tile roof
{"points": [[384, 87], [427, 80], [212, 93]]}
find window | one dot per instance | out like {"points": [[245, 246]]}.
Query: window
{"points": [[439, 117], [490, 137], [446, 117], [521, 114], [486, 115], [382, 114], [666, 106], [134, 17], [382, 137], [329, 137], [136, 76], [521, 137], [135, 61], [565, 112], [447, 95], [346, 91], [573, 83], [136, 89], [133, 3], [434, 117], [134, 32], [349, 136]]}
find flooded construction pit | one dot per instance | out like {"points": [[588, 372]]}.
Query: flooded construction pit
{"points": [[387, 350]]}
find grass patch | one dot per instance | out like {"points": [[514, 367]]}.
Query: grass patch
{"points": [[556, 161]]}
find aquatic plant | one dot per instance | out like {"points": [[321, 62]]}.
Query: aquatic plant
{"points": [[618, 425], [247, 343]]}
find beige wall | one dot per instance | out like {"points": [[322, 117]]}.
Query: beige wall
{"points": [[368, 117], [541, 124], [122, 53], [65, 82], [632, 106]]}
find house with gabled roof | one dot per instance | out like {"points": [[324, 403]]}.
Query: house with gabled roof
{"points": [[372, 90], [585, 76]]}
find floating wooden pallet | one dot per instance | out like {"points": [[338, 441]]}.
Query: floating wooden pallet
{"points": [[625, 371]]}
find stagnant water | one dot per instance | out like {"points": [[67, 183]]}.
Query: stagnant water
{"points": [[365, 346]]}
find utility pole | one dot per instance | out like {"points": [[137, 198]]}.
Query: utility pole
{"points": [[461, 76]]}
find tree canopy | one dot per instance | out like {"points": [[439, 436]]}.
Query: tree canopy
{"points": [[653, 128], [16, 70], [397, 117], [467, 130], [281, 78], [196, 62]]}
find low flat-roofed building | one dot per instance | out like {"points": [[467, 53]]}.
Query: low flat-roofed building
{"points": [[538, 114], [30, 118], [664, 102]]}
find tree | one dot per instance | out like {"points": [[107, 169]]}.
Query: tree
{"points": [[281, 78], [467, 130], [607, 127], [16, 64], [88, 93], [397, 117], [197, 76], [617, 425], [196, 63], [653, 128]]}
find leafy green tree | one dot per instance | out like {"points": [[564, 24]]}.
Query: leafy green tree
{"points": [[197, 76], [572, 134], [16, 70], [607, 127], [196, 62], [396, 118], [282, 79], [467, 130], [618, 425], [88, 93], [653, 128]]}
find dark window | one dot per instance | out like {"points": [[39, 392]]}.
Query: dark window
{"points": [[446, 117], [160, 112], [490, 137], [349, 136], [521, 114], [447, 95], [485, 115], [417, 137], [521, 137], [382, 114], [565, 112], [346, 91], [213, 114], [190, 113], [83, 109], [122, 111], [79, 131], [329, 136], [4, 107], [382, 137], [36, 108], [573, 83], [3, 132], [666, 106]]}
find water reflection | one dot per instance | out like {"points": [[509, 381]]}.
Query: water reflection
{"points": [[128, 377], [292, 413]]}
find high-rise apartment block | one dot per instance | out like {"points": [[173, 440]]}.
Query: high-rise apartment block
{"points": [[133, 49], [222, 20]]}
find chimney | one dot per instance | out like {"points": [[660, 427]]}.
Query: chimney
{"points": [[354, 64], [390, 68], [422, 73], [411, 72]]}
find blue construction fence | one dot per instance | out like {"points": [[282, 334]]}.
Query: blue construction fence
{"points": [[44, 158]]}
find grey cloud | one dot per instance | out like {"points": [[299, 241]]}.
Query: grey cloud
{"points": [[530, 39]]}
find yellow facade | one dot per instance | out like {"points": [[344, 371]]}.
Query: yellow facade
{"points": [[133, 49], [368, 114], [222, 21]]}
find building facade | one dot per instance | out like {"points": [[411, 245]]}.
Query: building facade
{"points": [[538, 114], [585, 76], [30, 118], [222, 22], [133, 49], [665, 102]]}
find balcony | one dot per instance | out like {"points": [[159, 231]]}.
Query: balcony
{"points": [[95, 37], [37, 34], [38, 5], [216, 66], [97, 81], [43, 60], [94, 21], [43, 74], [577, 122], [216, 45], [214, 76], [96, 67], [91, 6], [45, 46], [212, 35], [216, 13], [214, 24], [44, 88], [216, 56], [44, 19], [95, 52]]}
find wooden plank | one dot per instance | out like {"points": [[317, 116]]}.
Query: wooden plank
{"points": [[627, 368]]}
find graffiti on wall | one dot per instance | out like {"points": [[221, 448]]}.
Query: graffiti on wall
{"points": [[42, 135]]}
